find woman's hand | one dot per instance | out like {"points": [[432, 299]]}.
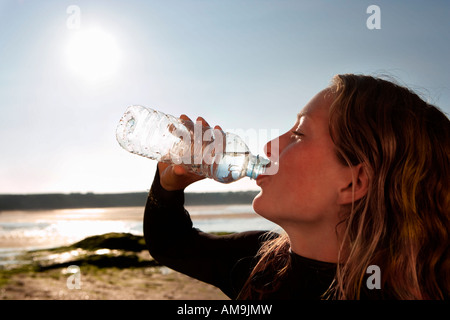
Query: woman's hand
{"points": [[177, 177]]}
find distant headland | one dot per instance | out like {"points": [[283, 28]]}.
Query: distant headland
{"points": [[96, 200]]}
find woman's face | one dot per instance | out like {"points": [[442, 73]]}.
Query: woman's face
{"points": [[310, 176]]}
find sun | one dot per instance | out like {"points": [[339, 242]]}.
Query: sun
{"points": [[93, 54]]}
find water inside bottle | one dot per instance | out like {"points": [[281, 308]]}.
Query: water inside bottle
{"points": [[231, 167]]}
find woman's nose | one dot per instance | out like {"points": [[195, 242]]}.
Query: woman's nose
{"points": [[272, 148], [267, 148]]}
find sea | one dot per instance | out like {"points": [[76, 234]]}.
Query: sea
{"points": [[26, 230]]}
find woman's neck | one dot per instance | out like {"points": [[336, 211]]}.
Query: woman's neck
{"points": [[317, 243]]}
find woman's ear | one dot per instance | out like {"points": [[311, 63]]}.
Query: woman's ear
{"points": [[358, 186]]}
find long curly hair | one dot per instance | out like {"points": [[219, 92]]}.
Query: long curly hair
{"points": [[402, 224]]}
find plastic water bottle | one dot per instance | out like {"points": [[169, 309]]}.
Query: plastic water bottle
{"points": [[209, 152]]}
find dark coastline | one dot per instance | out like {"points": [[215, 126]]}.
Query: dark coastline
{"points": [[94, 200]]}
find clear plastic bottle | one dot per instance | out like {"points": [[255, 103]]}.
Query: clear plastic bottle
{"points": [[209, 152]]}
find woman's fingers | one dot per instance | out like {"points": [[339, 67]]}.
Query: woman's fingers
{"points": [[185, 117], [175, 177], [202, 121]]}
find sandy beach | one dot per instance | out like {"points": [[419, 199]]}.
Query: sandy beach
{"points": [[124, 273], [104, 274], [108, 284]]}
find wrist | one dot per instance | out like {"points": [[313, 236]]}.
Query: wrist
{"points": [[165, 196]]}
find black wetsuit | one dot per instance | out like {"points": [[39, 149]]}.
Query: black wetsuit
{"points": [[223, 261]]}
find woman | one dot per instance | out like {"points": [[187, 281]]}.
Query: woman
{"points": [[363, 181]]}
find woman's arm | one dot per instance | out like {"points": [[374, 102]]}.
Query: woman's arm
{"points": [[173, 241]]}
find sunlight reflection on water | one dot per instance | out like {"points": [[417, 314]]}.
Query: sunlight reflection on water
{"points": [[26, 230]]}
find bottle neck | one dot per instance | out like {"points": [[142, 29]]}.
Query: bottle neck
{"points": [[256, 166]]}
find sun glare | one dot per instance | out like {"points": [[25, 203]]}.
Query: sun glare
{"points": [[93, 54]]}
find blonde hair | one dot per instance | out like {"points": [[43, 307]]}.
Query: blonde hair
{"points": [[402, 224]]}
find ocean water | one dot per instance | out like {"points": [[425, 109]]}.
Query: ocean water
{"points": [[40, 229]]}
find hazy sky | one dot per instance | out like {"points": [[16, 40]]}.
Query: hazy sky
{"points": [[70, 68]]}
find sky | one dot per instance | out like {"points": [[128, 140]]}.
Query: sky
{"points": [[69, 69]]}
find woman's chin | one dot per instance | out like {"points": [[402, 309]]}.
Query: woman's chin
{"points": [[258, 204]]}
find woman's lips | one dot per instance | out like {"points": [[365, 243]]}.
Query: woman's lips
{"points": [[260, 179]]}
